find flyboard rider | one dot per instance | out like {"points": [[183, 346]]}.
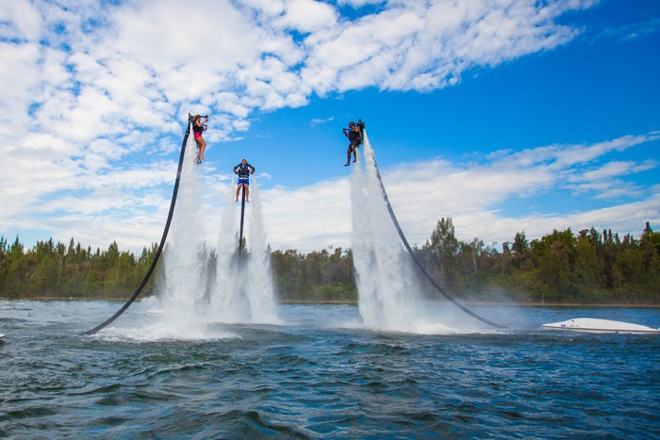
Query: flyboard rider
{"points": [[243, 170], [354, 135], [199, 127]]}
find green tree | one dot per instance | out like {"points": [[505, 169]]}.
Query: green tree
{"points": [[588, 268], [520, 243], [441, 250]]}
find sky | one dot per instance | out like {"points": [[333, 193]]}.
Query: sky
{"points": [[506, 116]]}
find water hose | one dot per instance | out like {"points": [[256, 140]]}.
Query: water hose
{"points": [[159, 251], [416, 260]]}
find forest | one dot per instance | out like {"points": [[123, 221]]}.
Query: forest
{"points": [[562, 267]]}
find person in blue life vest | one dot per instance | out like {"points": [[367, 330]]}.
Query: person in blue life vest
{"points": [[199, 127], [243, 170], [354, 136]]}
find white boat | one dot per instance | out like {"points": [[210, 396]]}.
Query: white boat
{"points": [[593, 325]]}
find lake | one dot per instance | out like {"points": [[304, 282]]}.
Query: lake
{"points": [[322, 374]]}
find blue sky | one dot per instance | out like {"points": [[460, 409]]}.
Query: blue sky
{"points": [[505, 116]]}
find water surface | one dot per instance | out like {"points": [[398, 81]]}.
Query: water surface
{"points": [[321, 374]]}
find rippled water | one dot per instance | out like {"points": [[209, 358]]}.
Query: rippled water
{"points": [[322, 375]]}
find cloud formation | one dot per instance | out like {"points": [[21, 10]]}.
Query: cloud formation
{"points": [[94, 94], [474, 194]]}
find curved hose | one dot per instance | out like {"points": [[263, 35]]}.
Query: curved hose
{"points": [[160, 247], [419, 264]]}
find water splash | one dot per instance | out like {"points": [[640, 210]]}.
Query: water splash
{"points": [[192, 293], [260, 291], [226, 269], [183, 280], [388, 285], [244, 289]]}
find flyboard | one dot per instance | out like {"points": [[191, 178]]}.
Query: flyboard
{"points": [[594, 325]]}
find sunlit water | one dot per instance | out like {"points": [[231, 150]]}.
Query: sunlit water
{"points": [[321, 374]]}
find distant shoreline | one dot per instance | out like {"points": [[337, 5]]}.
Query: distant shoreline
{"points": [[508, 304], [355, 303]]}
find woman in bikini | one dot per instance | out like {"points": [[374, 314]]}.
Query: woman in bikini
{"points": [[198, 129]]}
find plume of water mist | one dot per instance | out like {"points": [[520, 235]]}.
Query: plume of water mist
{"points": [[388, 282], [260, 290], [184, 273], [386, 288], [389, 292], [222, 297], [244, 291]]}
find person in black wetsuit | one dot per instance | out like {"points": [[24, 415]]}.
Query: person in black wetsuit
{"points": [[243, 170], [198, 129], [355, 139]]}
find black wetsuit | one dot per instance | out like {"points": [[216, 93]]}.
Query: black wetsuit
{"points": [[355, 138], [198, 128]]}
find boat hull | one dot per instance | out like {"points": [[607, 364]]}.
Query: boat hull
{"points": [[593, 325]]}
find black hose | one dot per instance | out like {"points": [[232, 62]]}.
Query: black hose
{"points": [[419, 264], [240, 235], [160, 247]]}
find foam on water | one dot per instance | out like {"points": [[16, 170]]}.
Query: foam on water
{"points": [[166, 330]]}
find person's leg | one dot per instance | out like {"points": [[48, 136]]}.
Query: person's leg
{"points": [[238, 189], [202, 147], [247, 192], [348, 156]]}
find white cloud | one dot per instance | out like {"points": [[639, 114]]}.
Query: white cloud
{"points": [[418, 45], [614, 169], [319, 121], [358, 3], [19, 78], [310, 218], [134, 64], [20, 20], [307, 16]]}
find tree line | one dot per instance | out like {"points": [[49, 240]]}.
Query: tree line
{"points": [[587, 267], [55, 270], [590, 267]]}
